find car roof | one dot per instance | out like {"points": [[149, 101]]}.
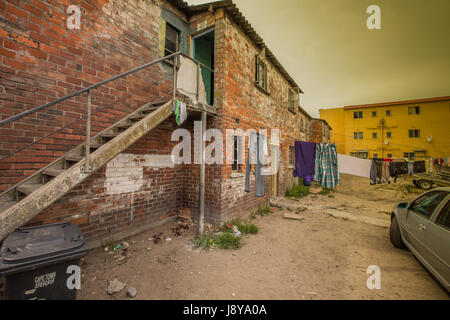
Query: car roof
{"points": [[442, 189]]}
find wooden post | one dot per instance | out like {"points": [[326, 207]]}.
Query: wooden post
{"points": [[201, 218]]}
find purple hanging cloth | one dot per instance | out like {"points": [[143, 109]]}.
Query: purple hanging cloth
{"points": [[305, 158]]}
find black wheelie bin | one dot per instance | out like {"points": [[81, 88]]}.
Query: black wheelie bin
{"points": [[42, 262]]}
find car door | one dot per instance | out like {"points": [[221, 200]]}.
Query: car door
{"points": [[418, 218], [437, 242]]}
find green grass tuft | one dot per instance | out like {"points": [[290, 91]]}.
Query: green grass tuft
{"points": [[224, 240], [297, 191], [243, 226]]}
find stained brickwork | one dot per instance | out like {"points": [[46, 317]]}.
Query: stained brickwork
{"points": [[42, 60]]}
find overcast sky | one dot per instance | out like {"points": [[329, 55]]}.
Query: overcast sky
{"points": [[327, 48]]}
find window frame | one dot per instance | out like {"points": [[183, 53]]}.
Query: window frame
{"points": [[235, 165], [415, 133], [388, 113], [408, 155], [357, 114], [440, 214], [177, 43], [258, 79], [427, 215], [374, 114], [291, 156]]}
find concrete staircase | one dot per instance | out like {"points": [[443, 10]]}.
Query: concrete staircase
{"points": [[25, 200]]}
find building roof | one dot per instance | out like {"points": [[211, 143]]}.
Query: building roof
{"points": [[386, 104], [323, 120], [240, 20]]}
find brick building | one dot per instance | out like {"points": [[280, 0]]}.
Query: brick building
{"points": [[42, 60], [320, 131]]}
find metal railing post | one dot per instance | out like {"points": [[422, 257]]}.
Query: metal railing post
{"points": [[174, 80], [198, 82], [87, 165]]}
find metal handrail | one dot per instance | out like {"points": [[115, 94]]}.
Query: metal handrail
{"points": [[77, 93], [87, 89]]}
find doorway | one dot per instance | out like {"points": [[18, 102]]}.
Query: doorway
{"points": [[203, 51]]}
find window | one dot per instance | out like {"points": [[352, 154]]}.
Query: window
{"points": [[293, 100], [261, 73], [388, 113], [415, 133], [374, 135], [358, 135], [389, 155], [388, 134], [410, 155], [291, 156], [374, 114], [444, 217], [425, 205], [235, 166], [357, 115], [362, 155], [375, 155], [172, 40], [413, 110], [302, 125]]}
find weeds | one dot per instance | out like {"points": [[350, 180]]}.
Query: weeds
{"points": [[224, 240], [243, 227], [327, 191], [297, 191]]}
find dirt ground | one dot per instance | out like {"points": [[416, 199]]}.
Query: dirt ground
{"points": [[320, 257]]}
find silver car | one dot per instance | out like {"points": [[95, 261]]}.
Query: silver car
{"points": [[423, 226]]}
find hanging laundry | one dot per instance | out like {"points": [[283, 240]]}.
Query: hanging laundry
{"points": [[183, 112], [419, 166], [386, 171], [373, 172], [305, 157], [393, 171], [326, 170], [410, 168], [379, 170], [354, 166], [257, 153], [180, 112]]}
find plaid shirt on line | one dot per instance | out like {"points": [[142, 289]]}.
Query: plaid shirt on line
{"points": [[326, 170]]}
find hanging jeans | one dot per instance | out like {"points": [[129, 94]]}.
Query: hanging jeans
{"points": [[255, 148]]}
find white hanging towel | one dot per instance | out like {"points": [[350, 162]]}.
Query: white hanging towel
{"points": [[183, 112], [354, 166]]}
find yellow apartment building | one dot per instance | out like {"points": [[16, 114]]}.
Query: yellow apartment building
{"points": [[414, 129]]}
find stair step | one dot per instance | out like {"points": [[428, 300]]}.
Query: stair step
{"points": [[149, 110], [110, 135], [53, 172], [137, 117], [6, 204], [29, 188], [125, 125], [74, 158], [95, 145]]}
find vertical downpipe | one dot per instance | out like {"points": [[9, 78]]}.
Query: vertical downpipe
{"points": [[201, 218], [87, 166]]}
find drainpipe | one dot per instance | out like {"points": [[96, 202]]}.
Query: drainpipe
{"points": [[202, 179]]}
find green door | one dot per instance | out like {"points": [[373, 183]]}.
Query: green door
{"points": [[204, 53]]}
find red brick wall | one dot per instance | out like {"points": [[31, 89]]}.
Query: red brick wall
{"points": [[41, 60], [104, 205], [237, 97]]}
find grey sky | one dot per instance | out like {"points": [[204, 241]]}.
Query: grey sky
{"points": [[327, 48]]}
